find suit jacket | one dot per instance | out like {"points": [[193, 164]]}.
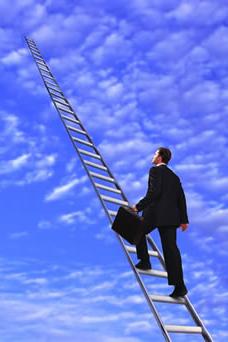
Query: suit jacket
{"points": [[164, 203]]}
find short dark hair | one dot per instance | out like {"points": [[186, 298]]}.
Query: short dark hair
{"points": [[165, 153]]}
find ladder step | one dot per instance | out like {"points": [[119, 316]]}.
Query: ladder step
{"points": [[44, 71], [50, 77], [34, 49], [112, 212], [167, 299], [52, 84], [77, 130], [133, 250], [109, 179], [82, 141], [41, 63], [114, 200], [98, 185], [59, 106], [70, 119], [36, 54], [53, 93], [42, 68], [39, 58], [87, 153], [60, 101], [87, 162], [56, 90], [155, 273], [184, 329]]}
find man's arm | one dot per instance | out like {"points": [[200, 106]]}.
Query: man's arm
{"points": [[154, 189], [182, 205]]}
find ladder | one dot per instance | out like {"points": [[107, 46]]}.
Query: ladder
{"points": [[105, 183]]}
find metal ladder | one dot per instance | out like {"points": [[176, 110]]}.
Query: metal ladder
{"points": [[105, 183]]}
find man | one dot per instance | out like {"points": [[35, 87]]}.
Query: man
{"points": [[164, 207]]}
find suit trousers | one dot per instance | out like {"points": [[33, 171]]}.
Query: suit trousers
{"points": [[170, 249]]}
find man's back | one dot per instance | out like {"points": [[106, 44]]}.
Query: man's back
{"points": [[169, 205]]}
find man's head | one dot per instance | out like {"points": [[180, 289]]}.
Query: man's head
{"points": [[162, 155]]}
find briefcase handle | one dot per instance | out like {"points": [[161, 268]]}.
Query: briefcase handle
{"points": [[132, 211]]}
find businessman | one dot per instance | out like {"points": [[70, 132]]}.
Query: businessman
{"points": [[164, 207]]}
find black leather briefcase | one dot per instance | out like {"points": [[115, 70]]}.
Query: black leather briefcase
{"points": [[128, 224]]}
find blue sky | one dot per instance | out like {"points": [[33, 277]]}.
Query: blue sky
{"points": [[140, 74]]}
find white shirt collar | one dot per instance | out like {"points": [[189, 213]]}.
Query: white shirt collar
{"points": [[161, 164]]}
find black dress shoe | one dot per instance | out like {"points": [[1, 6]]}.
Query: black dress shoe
{"points": [[179, 291], [143, 265]]}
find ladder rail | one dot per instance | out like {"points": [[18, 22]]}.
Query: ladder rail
{"points": [[145, 292], [76, 148], [188, 304], [46, 79]]}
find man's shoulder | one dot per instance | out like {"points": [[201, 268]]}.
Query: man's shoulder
{"points": [[169, 172]]}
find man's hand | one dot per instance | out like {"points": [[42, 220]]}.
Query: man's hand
{"points": [[134, 208], [184, 226]]}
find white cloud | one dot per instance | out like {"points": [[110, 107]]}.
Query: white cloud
{"points": [[18, 235], [13, 165], [65, 189], [15, 57], [61, 302], [78, 216]]}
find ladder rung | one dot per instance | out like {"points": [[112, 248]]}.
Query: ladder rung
{"points": [[94, 174], [87, 162], [56, 90], [155, 273], [98, 185], [53, 86], [112, 212], [34, 48], [36, 54], [50, 77], [70, 119], [114, 200], [41, 63], [87, 153], [45, 70], [59, 101], [82, 141], [184, 329], [53, 83], [76, 130], [57, 95], [59, 106], [133, 250], [167, 299], [36, 57]]}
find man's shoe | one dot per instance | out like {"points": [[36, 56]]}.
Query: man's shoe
{"points": [[179, 291], [143, 265]]}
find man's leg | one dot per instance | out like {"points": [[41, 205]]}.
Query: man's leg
{"points": [[141, 247], [172, 255], [142, 250]]}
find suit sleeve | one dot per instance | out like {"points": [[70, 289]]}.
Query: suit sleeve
{"points": [[154, 189], [182, 205]]}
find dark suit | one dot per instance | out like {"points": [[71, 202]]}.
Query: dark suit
{"points": [[164, 207]]}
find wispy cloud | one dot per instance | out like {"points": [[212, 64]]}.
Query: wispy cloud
{"points": [[141, 75], [19, 162], [72, 302], [65, 189]]}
